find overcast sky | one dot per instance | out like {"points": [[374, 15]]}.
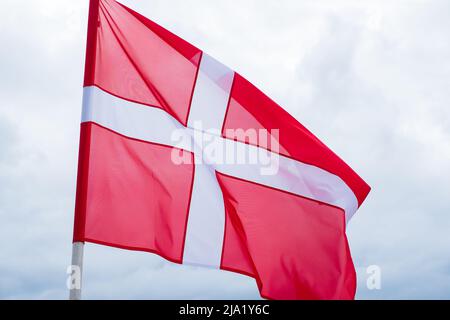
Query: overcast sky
{"points": [[370, 78]]}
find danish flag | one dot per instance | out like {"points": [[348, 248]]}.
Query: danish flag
{"points": [[167, 139]]}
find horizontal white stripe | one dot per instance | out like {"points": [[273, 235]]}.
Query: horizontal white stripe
{"points": [[130, 119], [293, 176], [155, 125]]}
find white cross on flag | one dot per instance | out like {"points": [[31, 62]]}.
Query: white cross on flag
{"points": [[183, 157]]}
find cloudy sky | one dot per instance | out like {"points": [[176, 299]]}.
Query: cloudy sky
{"points": [[370, 78]]}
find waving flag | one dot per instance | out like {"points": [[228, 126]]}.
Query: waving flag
{"points": [[183, 157]]}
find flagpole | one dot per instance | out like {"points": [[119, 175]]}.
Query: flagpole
{"points": [[76, 271], [76, 268]]}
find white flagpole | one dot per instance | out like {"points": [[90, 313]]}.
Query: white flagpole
{"points": [[76, 271]]}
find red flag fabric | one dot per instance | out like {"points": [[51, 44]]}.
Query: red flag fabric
{"points": [[168, 135]]}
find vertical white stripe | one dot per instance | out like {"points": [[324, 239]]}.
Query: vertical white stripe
{"points": [[211, 93], [206, 221]]}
